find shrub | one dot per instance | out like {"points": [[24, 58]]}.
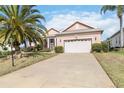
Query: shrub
{"points": [[59, 49], [105, 47], [116, 49], [45, 50], [96, 47], [28, 49], [39, 47]]}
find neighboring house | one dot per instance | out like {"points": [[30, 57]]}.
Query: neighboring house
{"points": [[115, 40], [77, 38]]}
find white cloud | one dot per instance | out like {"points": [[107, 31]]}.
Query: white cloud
{"points": [[60, 21]]}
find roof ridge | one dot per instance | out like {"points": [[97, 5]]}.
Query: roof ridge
{"points": [[79, 23], [53, 29]]}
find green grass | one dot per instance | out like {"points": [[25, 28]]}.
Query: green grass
{"points": [[113, 64], [6, 67], [119, 52]]}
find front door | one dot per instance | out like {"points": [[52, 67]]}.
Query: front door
{"points": [[52, 43]]}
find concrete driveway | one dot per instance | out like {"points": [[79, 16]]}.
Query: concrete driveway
{"points": [[64, 70]]}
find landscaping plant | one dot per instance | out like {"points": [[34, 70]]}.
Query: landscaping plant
{"points": [[59, 49], [96, 47]]}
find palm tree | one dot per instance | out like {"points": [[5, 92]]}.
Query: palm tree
{"points": [[119, 9], [19, 23]]}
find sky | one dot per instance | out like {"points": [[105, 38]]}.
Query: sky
{"points": [[62, 16]]}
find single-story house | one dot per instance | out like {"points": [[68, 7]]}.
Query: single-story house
{"points": [[115, 40], [77, 38]]}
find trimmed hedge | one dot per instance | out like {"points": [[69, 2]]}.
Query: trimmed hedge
{"points": [[59, 49]]}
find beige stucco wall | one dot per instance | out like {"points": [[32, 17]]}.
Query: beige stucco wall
{"points": [[92, 35], [77, 26]]}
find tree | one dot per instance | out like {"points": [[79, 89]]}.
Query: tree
{"points": [[119, 9], [21, 23]]}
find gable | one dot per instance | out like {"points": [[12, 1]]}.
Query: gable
{"points": [[52, 32], [77, 26]]}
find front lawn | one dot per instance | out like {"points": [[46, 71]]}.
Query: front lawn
{"points": [[113, 64], [6, 67]]}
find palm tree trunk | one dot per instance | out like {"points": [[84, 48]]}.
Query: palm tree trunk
{"points": [[121, 31]]}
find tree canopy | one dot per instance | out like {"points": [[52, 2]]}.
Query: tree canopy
{"points": [[21, 22]]}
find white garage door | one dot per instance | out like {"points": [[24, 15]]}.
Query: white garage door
{"points": [[77, 46]]}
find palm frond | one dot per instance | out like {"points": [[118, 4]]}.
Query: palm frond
{"points": [[20, 23], [106, 8]]}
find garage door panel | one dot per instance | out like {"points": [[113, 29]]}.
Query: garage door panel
{"points": [[78, 46]]}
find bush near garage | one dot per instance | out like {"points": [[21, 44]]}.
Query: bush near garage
{"points": [[59, 49], [96, 47], [100, 47]]}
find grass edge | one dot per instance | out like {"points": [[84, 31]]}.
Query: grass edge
{"points": [[98, 61]]}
